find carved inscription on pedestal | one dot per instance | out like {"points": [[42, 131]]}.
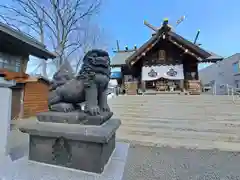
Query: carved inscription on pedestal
{"points": [[61, 152]]}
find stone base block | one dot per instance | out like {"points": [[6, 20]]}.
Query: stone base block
{"points": [[81, 147], [74, 117], [23, 169]]}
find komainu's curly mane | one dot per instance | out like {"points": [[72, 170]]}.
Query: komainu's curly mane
{"points": [[95, 61]]}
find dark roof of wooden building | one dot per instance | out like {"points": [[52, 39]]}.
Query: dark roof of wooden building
{"points": [[19, 43], [38, 78], [21, 77], [187, 47]]}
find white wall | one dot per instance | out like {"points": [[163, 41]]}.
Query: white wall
{"points": [[221, 72]]}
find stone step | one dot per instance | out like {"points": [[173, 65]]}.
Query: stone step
{"points": [[176, 143], [172, 99], [230, 128], [194, 133], [167, 107], [176, 103], [193, 121], [172, 103], [176, 114], [184, 121], [178, 97], [162, 105], [152, 104]]}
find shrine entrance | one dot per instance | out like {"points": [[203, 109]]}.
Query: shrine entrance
{"points": [[163, 84], [167, 62], [163, 78]]}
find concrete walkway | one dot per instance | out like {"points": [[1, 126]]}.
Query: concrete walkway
{"points": [[174, 137], [157, 163]]}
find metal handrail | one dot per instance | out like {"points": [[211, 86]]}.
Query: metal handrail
{"points": [[232, 91]]}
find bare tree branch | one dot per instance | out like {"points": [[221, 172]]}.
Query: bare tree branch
{"points": [[14, 21], [62, 22], [92, 37]]}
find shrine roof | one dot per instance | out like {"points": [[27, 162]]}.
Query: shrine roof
{"points": [[120, 57], [188, 46]]}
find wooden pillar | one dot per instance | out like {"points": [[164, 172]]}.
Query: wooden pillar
{"points": [[182, 84], [143, 84], [21, 113], [24, 62], [197, 75]]}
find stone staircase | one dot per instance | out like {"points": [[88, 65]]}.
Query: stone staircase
{"points": [[204, 121]]}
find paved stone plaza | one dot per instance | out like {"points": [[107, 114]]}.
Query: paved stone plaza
{"points": [[154, 163], [23, 169], [150, 163], [174, 137]]}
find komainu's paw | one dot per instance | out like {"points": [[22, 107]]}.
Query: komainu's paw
{"points": [[69, 109], [62, 107], [93, 110], [105, 108]]}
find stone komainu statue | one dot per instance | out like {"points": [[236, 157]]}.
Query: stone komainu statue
{"points": [[89, 86]]}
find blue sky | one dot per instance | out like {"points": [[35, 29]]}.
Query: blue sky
{"points": [[218, 20]]}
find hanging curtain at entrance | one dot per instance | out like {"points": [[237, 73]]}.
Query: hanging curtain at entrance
{"points": [[169, 72]]}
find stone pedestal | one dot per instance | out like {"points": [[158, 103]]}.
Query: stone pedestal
{"points": [[82, 147], [5, 112], [24, 169]]}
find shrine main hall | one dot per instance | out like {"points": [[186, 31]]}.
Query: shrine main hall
{"points": [[167, 62]]}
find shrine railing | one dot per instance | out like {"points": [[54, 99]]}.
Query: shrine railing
{"points": [[232, 91], [226, 89]]}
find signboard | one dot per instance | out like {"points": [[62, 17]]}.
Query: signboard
{"points": [[161, 55], [167, 72]]}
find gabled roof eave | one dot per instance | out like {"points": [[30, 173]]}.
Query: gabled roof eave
{"points": [[29, 41], [203, 54]]}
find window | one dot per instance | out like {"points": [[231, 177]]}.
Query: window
{"points": [[236, 67], [11, 63]]}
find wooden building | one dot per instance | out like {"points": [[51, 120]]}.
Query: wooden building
{"points": [[35, 95], [29, 95], [166, 62], [118, 61], [15, 49]]}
